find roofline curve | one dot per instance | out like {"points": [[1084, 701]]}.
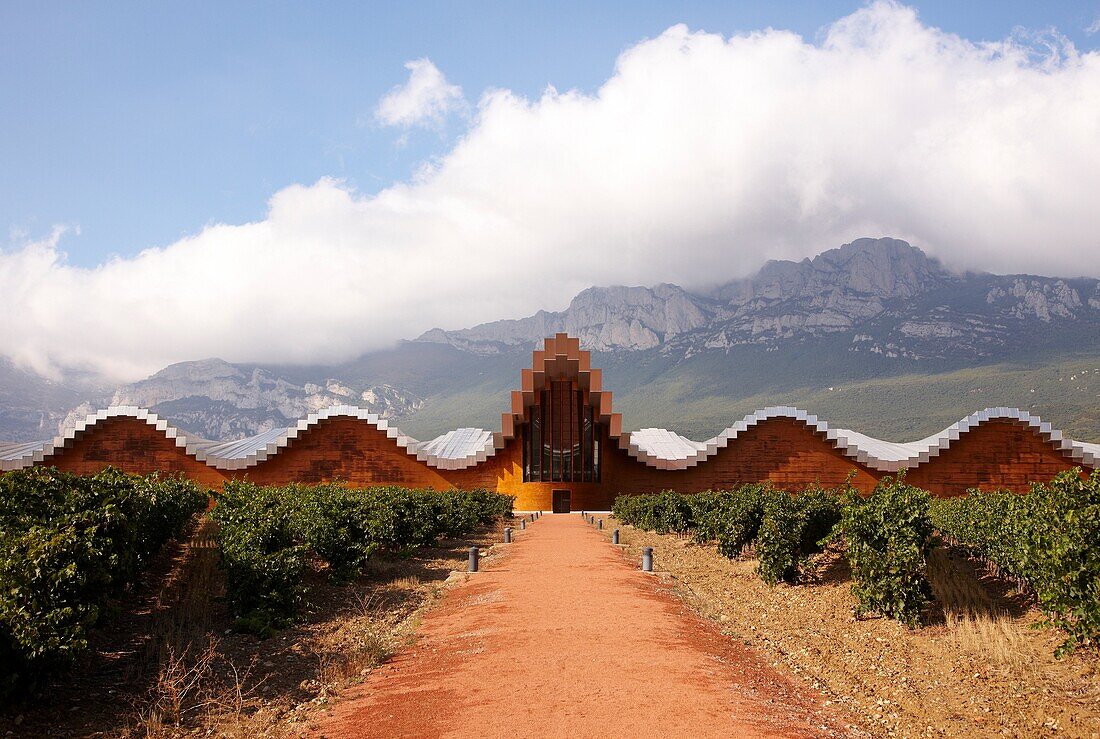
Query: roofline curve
{"points": [[876, 454]]}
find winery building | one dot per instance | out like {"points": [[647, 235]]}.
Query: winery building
{"points": [[561, 447]]}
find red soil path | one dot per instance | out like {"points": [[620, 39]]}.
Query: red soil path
{"points": [[563, 637]]}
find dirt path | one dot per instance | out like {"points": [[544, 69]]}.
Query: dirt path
{"points": [[562, 636]]}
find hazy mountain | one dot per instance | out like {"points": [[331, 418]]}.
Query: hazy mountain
{"points": [[604, 318], [875, 320], [219, 400], [31, 406], [882, 295]]}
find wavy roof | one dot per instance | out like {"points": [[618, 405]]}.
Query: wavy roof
{"points": [[467, 447], [560, 358], [665, 449]]}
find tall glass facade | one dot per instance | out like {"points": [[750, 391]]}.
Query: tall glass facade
{"points": [[561, 440]]}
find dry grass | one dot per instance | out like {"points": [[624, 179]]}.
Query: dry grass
{"points": [[979, 670], [363, 641], [188, 685], [989, 626]]}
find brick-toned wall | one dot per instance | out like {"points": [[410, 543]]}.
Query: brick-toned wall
{"points": [[503, 472], [132, 446], [996, 455], [780, 450], [345, 449]]}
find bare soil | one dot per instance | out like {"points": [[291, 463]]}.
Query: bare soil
{"points": [[561, 637], [980, 669]]}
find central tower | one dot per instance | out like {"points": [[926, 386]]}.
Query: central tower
{"points": [[561, 436]]}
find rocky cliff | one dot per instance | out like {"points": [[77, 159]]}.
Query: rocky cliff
{"points": [[886, 296]]}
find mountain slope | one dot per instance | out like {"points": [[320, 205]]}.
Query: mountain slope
{"points": [[882, 296], [874, 334]]}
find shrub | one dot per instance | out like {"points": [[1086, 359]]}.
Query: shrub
{"points": [[68, 544], [888, 536], [1048, 539], [333, 522], [793, 527], [737, 518], [268, 533], [262, 559], [664, 513]]}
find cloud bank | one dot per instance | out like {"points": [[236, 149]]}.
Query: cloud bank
{"points": [[699, 158]]}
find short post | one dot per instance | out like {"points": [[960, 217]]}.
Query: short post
{"points": [[647, 559], [522, 523], [507, 534], [615, 536], [472, 565], [599, 524]]}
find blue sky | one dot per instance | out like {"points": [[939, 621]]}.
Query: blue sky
{"points": [[305, 183], [141, 123]]}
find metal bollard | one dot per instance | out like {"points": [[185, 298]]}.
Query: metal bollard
{"points": [[472, 565], [647, 559], [522, 523], [508, 535], [615, 536], [599, 525]]}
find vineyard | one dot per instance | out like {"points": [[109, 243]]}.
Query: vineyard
{"points": [[73, 545], [68, 545], [1046, 541], [268, 535]]}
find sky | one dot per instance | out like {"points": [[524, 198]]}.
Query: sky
{"points": [[305, 182]]}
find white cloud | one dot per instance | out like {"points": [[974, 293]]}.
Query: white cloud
{"points": [[424, 100], [1094, 27], [698, 159]]}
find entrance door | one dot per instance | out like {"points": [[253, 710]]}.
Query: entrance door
{"points": [[561, 501]]}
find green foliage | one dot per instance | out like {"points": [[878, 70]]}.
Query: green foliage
{"points": [[664, 513], [260, 552], [267, 535], [738, 516], [68, 544], [730, 517], [889, 535], [792, 528], [1049, 538]]}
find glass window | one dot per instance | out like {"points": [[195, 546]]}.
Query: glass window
{"points": [[561, 438]]}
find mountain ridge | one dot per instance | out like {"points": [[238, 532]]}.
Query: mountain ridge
{"points": [[833, 292], [868, 310]]}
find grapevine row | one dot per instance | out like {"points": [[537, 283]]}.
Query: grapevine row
{"points": [[68, 545], [267, 536], [1048, 539]]}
